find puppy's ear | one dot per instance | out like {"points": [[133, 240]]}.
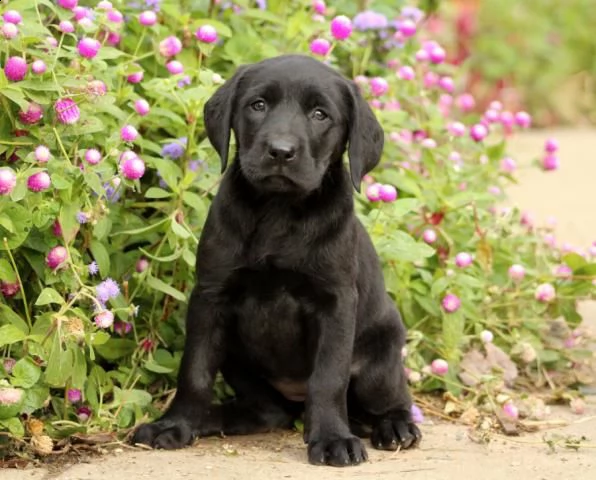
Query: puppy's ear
{"points": [[218, 115], [365, 137]]}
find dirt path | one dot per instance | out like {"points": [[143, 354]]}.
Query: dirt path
{"points": [[446, 452]]}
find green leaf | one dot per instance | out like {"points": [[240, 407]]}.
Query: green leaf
{"points": [[179, 230], [49, 295], [10, 334], [92, 180], [25, 373], [99, 338], [101, 256], [116, 348], [401, 246], [136, 231], [15, 96], [156, 192], [574, 261], [68, 220], [405, 205], [160, 285], [167, 258], [108, 53], [586, 270], [60, 183], [153, 366], [189, 257], [14, 426], [131, 397], [6, 272], [35, 398], [6, 222], [169, 172], [195, 202], [79, 371], [548, 356], [7, 315], [402, 182], [21, 221], [59, 365]]}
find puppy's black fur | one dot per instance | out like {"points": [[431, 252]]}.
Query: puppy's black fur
{"points": [[290, 302]]}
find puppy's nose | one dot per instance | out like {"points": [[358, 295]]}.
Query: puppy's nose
{"points": [[282, 150]]}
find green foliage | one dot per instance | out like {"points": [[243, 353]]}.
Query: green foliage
{"points": [[142, 233]]}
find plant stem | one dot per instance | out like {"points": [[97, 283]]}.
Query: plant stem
{"points": [[14, 265]]}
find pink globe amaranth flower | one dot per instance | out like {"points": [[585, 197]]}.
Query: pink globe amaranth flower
{"points": [[10, 396], [478, 132], [592, 251], [429, 236], [88, 47], [437, 55], [80, 12], [516, 272], [74, 395], [8, 364], [85, 22], [320, 46], [523, 119], [466, 102], [128, 133], [83, 413], [56, 257], [15, 69], [492, 116], [486, 336], [507, 119], [68, 4], [510, 410], [175, 67], [136, 77], [12, 16], [105, 5], [67, 111], [66, 27], [550, 240], [494, 190], [104, 319], [142, 265], [373, 192], [463, 259], [97, 88], [39, 182], [33, 114], [56, 228], [387, 193], [457, 129], [428, 143], [132, 167], [378, 86], [206, 34], [8, 180], [392, 106], [422, 55], [170, 46], [508, 165], [406, 73], [319, 7], [563, 271], [551, 145], [430, 79], [113, 38], [495, 105], [92, 156], [114, 16], [9, 31], [550, 162], [341, 27], [42, 154], [142, 107], [407, 28], [446, 83], [439, 367], [545, 293], [451, 303], [38, 67], [148, 18]]}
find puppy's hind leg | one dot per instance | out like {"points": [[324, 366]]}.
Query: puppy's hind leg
{"points": [[378, 394], [256, 408]]}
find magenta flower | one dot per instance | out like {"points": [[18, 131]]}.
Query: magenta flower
{"points": [[68, 4], [439, 367], [83, 413], [508, 165], [114, 16], [170, 46], [39, 182], [175, 67], [466, 102], [136, 77], [457, 129], [478, 132], [9, 31], [66, 27], [56, 257], [517, 272], [67, 111], [319, 7], [373, 192], [15, 69], [74, 395], [42, 154], [206, 34], [142, 107], [463, 259], [446, 83], [88, 47], [104, 319], [131, 166], [429, 236], [12, 16], [545, 293], [451, 303], [128, 133], [320, 46], [8, 180], [387, 193], [38, 67], [341, 27], [510, 410], [407, 28], [148, 18], [142, 265], [406, 73], [437, 55], [550, 162], [92, 156], [32, 115], [523, 119], [551, 145], [378, 86]]}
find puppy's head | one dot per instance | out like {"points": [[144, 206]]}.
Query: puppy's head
{"points": [[292, 117]]}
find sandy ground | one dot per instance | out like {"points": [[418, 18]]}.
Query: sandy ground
{"points": [[446, 452]]}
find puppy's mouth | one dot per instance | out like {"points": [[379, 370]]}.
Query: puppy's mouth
{"points": [[278, 182]]}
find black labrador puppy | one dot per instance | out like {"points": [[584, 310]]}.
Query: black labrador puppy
{"points": [[290, 303]]}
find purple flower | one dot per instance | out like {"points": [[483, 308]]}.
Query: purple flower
{"points": [[74, 395], [412, 12], [417, 416], [93, 268], [184, 81], [175, 149], [370, 20], [82, 217], [106, 290], [67, 111], [262, 4], [194, 165]]}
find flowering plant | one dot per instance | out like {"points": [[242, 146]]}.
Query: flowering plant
{"points": [[106, 177]]}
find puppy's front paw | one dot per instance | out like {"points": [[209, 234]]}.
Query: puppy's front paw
{"points": [[337, 452], [165, 434], [393, 432]]}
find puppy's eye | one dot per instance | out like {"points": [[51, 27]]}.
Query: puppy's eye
{"points": [[258, 106], [319, 114]]}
